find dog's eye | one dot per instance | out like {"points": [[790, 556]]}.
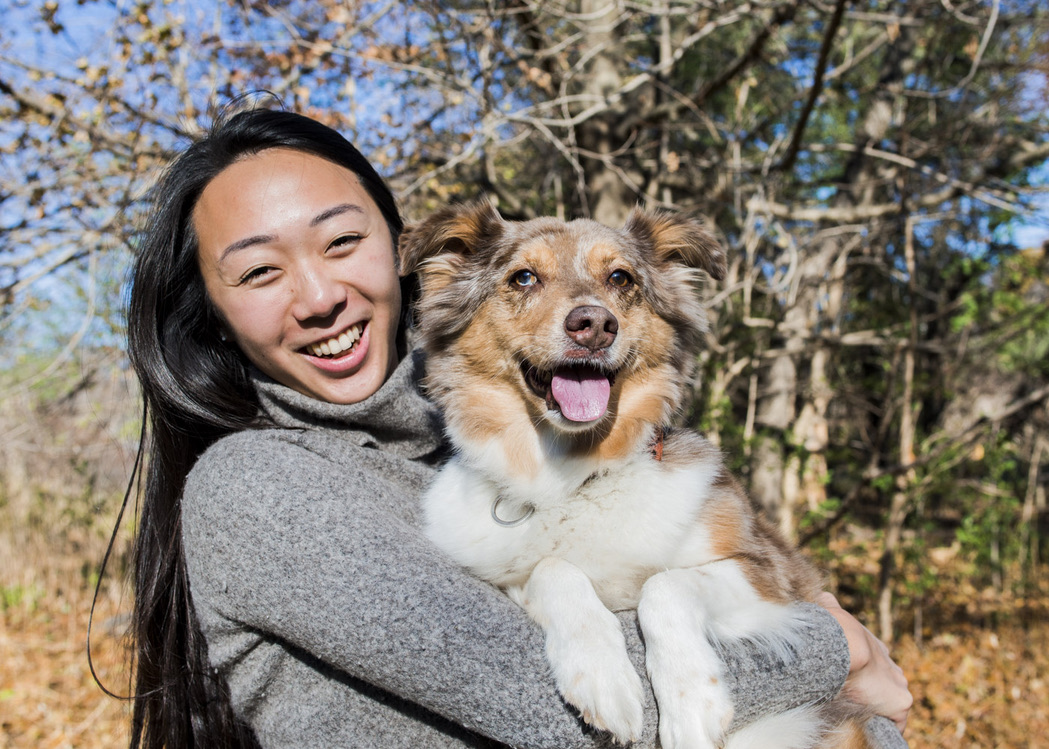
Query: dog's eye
{"points": [[620, 279], [524, 279]]}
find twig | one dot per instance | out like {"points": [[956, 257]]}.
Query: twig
{"points": [[817, 86]]}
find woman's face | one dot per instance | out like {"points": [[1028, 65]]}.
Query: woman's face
{"points": [[299, 262]]}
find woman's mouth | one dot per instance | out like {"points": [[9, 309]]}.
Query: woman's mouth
{"points": [[337, 345]]}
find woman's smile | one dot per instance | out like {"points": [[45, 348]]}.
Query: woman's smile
{"points": [[340, 354], [337, 345]]}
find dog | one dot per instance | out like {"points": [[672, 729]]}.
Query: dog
{"points": [[560, 353]]}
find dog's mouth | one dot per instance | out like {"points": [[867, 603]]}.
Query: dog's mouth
{"points": [[580, 391]]}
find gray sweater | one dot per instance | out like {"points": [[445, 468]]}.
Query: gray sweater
{"points": [[337, 624]]}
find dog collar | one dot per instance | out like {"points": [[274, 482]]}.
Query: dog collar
{"points": [[529, 511], [657, 443]]}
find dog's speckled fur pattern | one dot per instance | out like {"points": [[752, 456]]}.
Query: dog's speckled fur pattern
{"points": [[606, 525]]}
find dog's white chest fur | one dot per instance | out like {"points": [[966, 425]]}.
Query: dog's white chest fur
{"points": [[618, 525]]}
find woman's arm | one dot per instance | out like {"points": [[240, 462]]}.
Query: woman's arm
{"points": [[325, 557], [760, 684], [281, 541]]}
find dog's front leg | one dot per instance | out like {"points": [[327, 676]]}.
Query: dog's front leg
{"points": [[585, 647], [695, 707]]}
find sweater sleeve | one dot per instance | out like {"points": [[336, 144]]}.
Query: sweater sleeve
{"points": [[281, 541], [760, 684]]}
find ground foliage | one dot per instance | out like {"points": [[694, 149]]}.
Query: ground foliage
{"points": [[978, 666], [48, 698]]}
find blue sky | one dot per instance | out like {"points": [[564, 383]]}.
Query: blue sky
{"points": [[88, 36]]}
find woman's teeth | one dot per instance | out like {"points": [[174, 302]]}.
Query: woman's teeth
{"points": [[338, 344]]}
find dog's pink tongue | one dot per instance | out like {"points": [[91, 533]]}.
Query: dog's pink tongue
{"points": [[582, 394]]}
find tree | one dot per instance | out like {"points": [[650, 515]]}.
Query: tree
{"points": [[864, 162]]}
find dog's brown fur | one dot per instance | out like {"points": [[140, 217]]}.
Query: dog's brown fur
{"points": [[467, 251]]}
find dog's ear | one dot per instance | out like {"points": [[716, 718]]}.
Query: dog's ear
{"points": [[677, 238], [440, 243]]}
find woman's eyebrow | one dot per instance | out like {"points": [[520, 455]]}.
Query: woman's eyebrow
{"points": [[241, 244], [320, 218], [335, 211]]}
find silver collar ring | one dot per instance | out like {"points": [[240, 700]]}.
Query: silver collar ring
{"points": [[529, 511]]}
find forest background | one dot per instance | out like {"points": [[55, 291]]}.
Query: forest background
{"points": [[877, 367]]}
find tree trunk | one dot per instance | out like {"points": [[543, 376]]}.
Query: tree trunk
{"points": [[770, 482], [610, 200], [900, 499]]}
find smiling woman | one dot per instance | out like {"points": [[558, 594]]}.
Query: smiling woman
{"points": [[307, 289], [285, 594]]}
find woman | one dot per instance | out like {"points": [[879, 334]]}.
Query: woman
{"points": [[284, 593]]}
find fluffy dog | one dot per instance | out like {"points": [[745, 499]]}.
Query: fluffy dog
{"points": [[560, 352]]}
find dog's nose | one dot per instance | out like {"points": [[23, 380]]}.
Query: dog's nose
{"points": [[593, 327]]}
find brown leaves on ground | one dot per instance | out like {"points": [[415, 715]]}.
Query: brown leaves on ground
{"points": [[979, 687], [48, 699], [975, 684]]}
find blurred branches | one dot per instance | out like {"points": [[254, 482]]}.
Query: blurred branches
{"points": [[868, 165]]}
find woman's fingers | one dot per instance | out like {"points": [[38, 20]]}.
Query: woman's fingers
{"points": [[874, 678]]}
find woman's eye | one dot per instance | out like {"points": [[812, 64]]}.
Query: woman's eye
{"points": [[256, 274], [620, 279], [524, 279], [346, 240]]}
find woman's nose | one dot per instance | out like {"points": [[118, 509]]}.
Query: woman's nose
{"points": [[317, 294]]}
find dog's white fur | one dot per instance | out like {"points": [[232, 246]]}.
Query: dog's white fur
{"points": [[577, 520], [592, 547]]}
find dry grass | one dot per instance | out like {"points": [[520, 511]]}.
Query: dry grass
{"points": [[974, 686], [48, 698]]}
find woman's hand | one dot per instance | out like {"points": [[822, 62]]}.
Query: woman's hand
{"points": [[874, 678]]}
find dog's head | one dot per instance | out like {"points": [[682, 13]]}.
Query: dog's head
{"points": [[580, 328]]}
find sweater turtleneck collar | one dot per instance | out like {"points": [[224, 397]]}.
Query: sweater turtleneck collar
{"points": [[396, 417]]}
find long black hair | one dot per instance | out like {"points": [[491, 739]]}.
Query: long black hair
{"points": [[195, 389]]}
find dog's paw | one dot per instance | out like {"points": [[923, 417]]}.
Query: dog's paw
{"points": [[695, 706], [609, 697], [693, 715], [596, 677]]}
